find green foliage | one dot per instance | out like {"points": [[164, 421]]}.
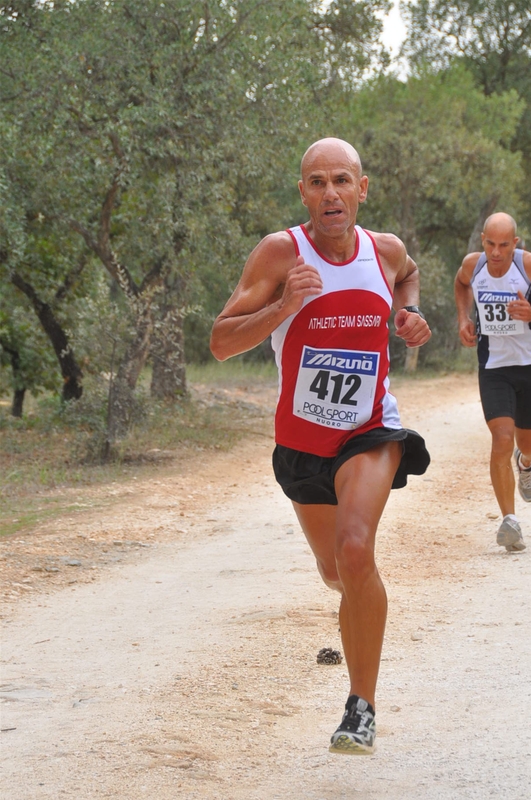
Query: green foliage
{"points": [[150, 134], [437, 301], [101, 325], [492, 38], [145, 148], [493, 35], [25, 360], [433, 147]]}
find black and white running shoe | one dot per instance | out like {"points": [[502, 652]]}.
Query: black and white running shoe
{"points": [[357, 731]]}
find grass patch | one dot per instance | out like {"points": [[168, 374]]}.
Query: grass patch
{"points": [[13, 518], [54, 447]]}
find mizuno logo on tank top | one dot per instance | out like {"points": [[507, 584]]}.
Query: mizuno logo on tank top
{"points": [[502, 340], [357, 362], [496, 297]]}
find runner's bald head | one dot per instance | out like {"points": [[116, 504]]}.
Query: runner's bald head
{"points": [[500, 222], [331, 148]]}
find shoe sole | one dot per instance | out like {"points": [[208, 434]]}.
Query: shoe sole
{"points": [[343, 745], [517, 547]]}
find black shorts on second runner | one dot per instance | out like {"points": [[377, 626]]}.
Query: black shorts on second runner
{"points": [[309, 479], [506, 392]]}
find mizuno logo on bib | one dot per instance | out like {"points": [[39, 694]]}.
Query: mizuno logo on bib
{"points": [[336, 388]]}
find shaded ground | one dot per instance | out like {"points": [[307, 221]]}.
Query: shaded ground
{"points": [[161, 641]]}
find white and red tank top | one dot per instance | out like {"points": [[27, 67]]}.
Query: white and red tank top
{"points": [[333, 354]]}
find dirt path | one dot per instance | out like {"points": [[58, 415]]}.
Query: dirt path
{"points": [[187, 668]]}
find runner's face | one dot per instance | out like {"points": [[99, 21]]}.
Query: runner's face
{"points": [[499, 246], [332, 189]]}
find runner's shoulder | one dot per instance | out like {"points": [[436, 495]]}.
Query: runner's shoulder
{"points": [[278, 245], [526, 257], [272, 256], [390, 248], [263, 275], [468, 263]]}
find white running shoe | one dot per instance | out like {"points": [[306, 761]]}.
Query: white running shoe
{"points": [[510, 535], [524, 478]]}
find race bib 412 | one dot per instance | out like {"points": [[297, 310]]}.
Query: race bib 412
{"points": [[336, 388]]}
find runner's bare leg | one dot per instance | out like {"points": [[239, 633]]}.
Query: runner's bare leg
{"points": [[342, 539], [501, 469]]}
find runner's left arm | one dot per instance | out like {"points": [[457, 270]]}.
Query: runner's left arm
{"points": [[410, 326], [521, 308]]}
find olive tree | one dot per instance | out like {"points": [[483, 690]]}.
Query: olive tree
{"points": [[143, 125]]}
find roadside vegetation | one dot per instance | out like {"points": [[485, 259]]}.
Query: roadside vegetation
{"points": [[146, 147], [50, 459]]}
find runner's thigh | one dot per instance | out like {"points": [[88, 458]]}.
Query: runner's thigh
{"points": [[363, 484]]}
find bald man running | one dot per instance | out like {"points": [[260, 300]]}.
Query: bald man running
{"points": [[498, 283], [324, 291]]}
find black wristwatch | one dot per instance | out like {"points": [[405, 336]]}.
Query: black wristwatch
{"points": [[414, 310]]}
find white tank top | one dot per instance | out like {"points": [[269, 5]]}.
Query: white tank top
{"points": [[502, 341], [332, 355]]}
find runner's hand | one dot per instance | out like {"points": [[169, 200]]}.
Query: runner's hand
{"points": [[467, 334], [302, 281], [410, 327], [520, 309]]}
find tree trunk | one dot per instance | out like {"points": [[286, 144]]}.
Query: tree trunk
{"points": [[71, 372], [122, 394], [20, 391], [412, 358], [474, 243], [18, 402], [168, 378]]}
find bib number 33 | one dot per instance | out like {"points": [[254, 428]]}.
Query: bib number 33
{"points": [[336, 388], [494, 319]]}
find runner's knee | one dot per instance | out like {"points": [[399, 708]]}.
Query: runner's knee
{"points": [[355, 552], [503, 443]]}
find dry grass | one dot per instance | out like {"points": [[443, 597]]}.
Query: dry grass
{"points": [[51, 449]]}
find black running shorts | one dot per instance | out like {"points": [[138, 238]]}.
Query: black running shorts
{"points": [[309, 479], [506, 392]]}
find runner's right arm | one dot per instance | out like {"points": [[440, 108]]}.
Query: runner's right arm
{"points": [[464, 300], [273, 286]]}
